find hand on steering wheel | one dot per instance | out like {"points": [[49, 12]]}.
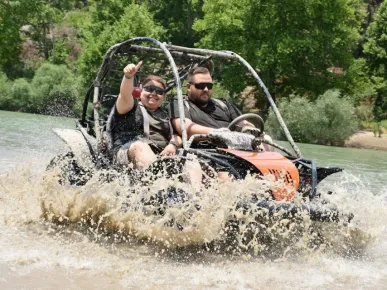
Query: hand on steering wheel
{"points": [[251, 116], [252, 130]]}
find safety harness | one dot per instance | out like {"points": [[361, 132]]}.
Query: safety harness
{"points": [[145, 117]]}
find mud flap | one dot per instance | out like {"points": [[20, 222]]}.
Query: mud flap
{"points": [[75, 140]]}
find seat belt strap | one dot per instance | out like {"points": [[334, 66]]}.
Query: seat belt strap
{"points": [[145, 118]]}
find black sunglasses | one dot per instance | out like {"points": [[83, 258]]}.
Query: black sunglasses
{"points": [[202, 86], [151, 89]]}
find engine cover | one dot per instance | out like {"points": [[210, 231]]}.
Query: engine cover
{"points": [[285, 173]]}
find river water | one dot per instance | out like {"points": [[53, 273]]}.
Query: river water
{"points": [[48, 239]]}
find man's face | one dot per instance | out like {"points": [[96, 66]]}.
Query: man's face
{"points": [[198, 91]]}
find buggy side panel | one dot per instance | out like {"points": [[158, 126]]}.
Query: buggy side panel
{"points": [[77, 144], [282, 169]]}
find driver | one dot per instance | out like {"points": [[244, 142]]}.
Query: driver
{"points": [[204, 114]]}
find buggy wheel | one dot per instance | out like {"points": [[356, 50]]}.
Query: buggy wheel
{"points": [[69, 171]]}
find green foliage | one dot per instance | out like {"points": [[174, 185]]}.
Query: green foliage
{"points": [[364, 114], [12, 16], [377, 129], [37, 20], [177, 17], [79, 20], [376, 51], [380, 107], [135, 21], [54, 90], [335, 119], [104, 13], [328, 121], [220, 92], [14, 95], [300, 47], [297, 113], [357, 83], [376, 46], [293, 43], [5, 87], [20, 93]]}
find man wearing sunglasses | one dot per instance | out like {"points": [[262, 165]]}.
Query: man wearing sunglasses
{"points": [[202, 113]]}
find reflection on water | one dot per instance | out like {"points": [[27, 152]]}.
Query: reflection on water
{"points": [[66, 237]]}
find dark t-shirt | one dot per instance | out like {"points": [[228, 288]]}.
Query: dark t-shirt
{"points": [[130, 126], [214, 115], [159, 127]]}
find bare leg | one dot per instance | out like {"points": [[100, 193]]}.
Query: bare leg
{"points": [[141, 154], [193, 173], [223, 176]]}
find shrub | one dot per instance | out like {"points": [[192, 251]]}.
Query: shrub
{"points": [[297, 113], [328, 121], [364, 113], [5, 87], [20, 94], [335, 121], [54, 91]]}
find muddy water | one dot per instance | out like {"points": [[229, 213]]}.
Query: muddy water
{"points": [[66, 237]]}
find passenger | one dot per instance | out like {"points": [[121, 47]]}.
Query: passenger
{"points": [[202, 113], [140, 129]]}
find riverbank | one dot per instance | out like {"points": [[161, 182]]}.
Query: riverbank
{"points": [[367, 140]]}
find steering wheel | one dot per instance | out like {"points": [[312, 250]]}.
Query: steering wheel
{"points": [[247, 116]]}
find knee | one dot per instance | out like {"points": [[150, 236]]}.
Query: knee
{"points": [[137, 148]]}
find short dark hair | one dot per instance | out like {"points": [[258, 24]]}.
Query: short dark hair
{"points": [[197, 70], [155, 79]]}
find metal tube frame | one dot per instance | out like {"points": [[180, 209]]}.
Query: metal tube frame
{"points": [[168, 50], [232, 55]]}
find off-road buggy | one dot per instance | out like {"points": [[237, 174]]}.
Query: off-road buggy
{"points": [[237, 153]]}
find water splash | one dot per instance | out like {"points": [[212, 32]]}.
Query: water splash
{"points": [[121, 211], [103, 229]]}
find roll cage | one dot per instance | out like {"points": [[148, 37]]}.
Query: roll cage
{"points": [[173, 63], [101, 96]]}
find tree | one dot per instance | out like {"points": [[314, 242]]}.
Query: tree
{"points": [[376, 46], [36, 20], [292, 42], [43, 18], [104, 13], [177, 17], [135, 20], [376, 52], [12, 17]]}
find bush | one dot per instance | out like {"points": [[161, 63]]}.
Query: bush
{"points": [[54, 91], [20, 94], [335, 121], [5, 86], [364, 114], [328, 121], [296, 113]]}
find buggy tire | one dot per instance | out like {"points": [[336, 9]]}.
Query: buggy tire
{"points": [[70, 172]]}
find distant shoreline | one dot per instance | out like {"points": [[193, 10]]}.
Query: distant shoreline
{"points": [[367, 140]]}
